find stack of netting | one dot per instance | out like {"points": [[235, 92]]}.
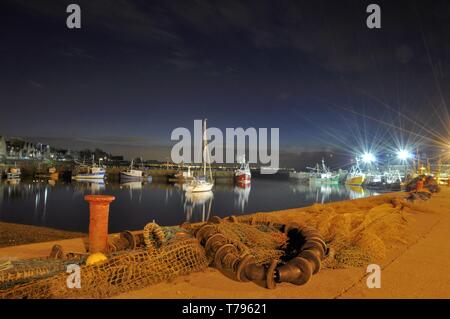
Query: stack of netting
{"points": [[262, 241], [357, 232], [123, 271], [262, 252]]}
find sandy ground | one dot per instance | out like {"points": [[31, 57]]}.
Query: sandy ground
{"points": [[418, 269], [17, 234]]}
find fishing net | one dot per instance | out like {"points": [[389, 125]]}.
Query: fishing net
{"points": [[357, 232], [164, 253], [263, 242], [16, 272], [123, 271]]}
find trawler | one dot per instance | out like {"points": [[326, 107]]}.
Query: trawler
{"points": [[356, 177], [88, 172], [243, 174], [200, 183], [389, 180], [321, 174], [131, 173]]}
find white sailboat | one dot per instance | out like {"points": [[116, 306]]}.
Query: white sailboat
{"points": [[200, 183]]}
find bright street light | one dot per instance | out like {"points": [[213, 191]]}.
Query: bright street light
{"points": [[403, 155], [368, 158]]}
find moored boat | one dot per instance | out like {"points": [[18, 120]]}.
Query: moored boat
{"points": [[200, 183], [356, 177], [182, 176], [14, 173], [131, 173], [50, 174], [243, 175], [357, 180], [88, 172], [323, 175]]}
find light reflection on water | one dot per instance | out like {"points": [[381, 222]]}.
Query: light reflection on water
{"points": [[61, 204]]}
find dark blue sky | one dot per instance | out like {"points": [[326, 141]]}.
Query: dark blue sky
{"points": [[138, 69]]}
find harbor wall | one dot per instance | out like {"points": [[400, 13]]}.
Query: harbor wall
{"points": [[30, 167]]}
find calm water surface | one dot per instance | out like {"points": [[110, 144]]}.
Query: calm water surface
{"points": [[61, 205]]}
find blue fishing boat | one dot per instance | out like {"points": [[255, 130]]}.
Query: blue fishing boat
{"points": [[89, 172]]}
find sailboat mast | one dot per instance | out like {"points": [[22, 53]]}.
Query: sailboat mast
{"points": [[204, 147]]}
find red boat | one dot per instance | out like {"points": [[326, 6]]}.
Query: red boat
{"points": [[243, 175]]}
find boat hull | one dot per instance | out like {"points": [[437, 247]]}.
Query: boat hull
{"points": [[206, 187], [243, 178], [128, 176], [89, 176], [329, 181], [355, 181], [53, 176], [13, 176]]}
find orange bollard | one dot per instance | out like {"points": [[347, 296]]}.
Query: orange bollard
{"points": [[419, 185], [98, 222]]}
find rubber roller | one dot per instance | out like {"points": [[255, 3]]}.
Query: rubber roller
{"points": [[297, 271]]}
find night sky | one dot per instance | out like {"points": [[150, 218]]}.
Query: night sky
{"points": [[138, 69]]}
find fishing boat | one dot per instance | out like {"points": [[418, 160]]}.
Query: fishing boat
{"points": [[389, 180], [14, 173], [243, 175], [131, 173], [321, 174], [50, 174], [356, 177], [182, 176], [88, 172], [200, 183]]}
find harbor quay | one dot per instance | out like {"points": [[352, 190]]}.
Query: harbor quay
{"points": [[159, 172], [402, 239]]}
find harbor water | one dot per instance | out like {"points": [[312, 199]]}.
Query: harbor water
{"points": [[61, 204]]}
